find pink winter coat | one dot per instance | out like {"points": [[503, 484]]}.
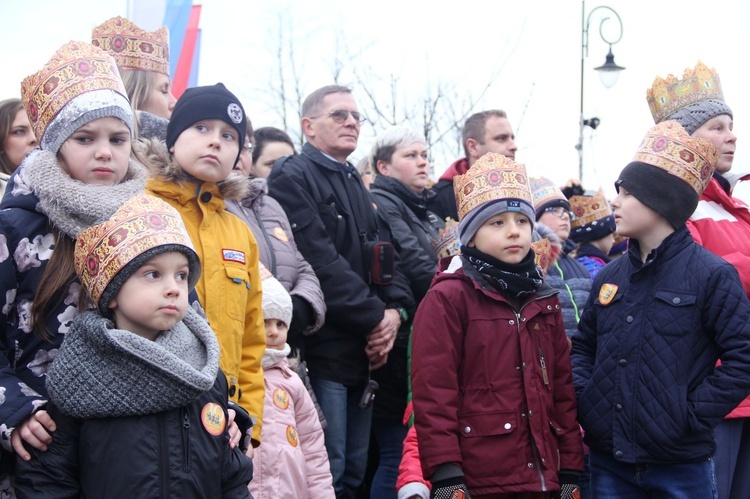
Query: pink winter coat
{"points": [[292, 461]]}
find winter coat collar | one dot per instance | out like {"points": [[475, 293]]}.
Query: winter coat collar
{"points": [[459, 167], [101, 371], [669, 248], [257, 187], [326, 161], [165, 171], [417, 203]]}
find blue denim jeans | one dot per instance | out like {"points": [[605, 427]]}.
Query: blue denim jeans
{"points": [[390, 437], [347, 435], [612, 479]]}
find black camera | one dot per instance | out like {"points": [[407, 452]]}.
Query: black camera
{"points": [[368, 394], [380, 258]]}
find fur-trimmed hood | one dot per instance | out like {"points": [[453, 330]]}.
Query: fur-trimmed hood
{"points": [[161, 166]]}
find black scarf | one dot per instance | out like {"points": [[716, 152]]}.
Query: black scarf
{"points": [[515, 279], [415, 202]]}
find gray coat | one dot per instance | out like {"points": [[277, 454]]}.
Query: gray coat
{"points": [[278, 252]]}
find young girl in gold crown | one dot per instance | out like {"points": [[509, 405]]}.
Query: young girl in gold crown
{"points": [[82, 174], [143, 60]]}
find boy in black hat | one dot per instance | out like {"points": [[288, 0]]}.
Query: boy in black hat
{"points": [[194, 175], [652, 330]]}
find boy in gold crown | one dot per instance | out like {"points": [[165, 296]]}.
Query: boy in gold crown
{"points": [[137, 396], [492, 390], [654, 325]]}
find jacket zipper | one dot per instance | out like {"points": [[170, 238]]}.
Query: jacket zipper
{"points": [[537, 461], [186, 440], [164, 456]]}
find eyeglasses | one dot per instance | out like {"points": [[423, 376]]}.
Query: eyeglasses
{"points": [[559, 212], [248, 148], [341, 115]]}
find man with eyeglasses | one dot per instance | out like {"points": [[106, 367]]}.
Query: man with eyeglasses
{"points": [[487, 131], [335, 226]]}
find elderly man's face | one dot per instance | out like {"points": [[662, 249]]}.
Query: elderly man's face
{"points": [[338, 140]]}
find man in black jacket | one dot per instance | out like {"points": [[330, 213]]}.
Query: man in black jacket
{"points": [[334, 224]]}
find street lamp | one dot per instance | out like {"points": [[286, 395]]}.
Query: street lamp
{"points": [[608, 72]]}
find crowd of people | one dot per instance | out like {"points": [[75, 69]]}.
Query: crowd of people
{"points": [[192, 308]]}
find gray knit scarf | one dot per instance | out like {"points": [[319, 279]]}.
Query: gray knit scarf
{"points": [[101, 371], [72, 205]]}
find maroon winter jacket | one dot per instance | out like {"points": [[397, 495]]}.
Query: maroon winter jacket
{"points": [[481, 399]]}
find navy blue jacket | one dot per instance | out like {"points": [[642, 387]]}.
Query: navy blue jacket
{"points": [[644, 359]]}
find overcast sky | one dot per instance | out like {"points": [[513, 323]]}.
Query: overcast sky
{"points": [[534, 47]]}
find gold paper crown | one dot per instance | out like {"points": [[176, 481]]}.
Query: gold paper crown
{"points": [[669, 147], [132, 47], [76, 68], [140, 224], [667, 96], [543, 190], [492, 177], [448, 243], [588, 209], [543, 254]]}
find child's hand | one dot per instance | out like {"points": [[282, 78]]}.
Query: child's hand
{"points": [[234, 430], [34, 430]]}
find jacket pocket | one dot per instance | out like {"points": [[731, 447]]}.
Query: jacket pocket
{"points": [[333, 217], [674, 313], [486, 434], [235, 298]]}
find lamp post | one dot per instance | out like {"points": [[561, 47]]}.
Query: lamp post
{"points": [[608, 72]]}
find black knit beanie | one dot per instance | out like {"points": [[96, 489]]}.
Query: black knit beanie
{"points": [[666, 194], [205, 103]]}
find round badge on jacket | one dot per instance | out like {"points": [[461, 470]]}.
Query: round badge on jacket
{"points": [[213, 419], [281, 399]]}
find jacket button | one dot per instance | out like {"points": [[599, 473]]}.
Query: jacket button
{"points": [[676, 300], [523, 414], [511, 322], [549, 307], [507, 426], [467, 429], [629, 319], [232, 390], [523, 365], [518, 368], [206, 197], [523, 319], [557, 307], [618, 407], [530, 465], [531, 413], [294, 225], [619, 454], [623, 362]]}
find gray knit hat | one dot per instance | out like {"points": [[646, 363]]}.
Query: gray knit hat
{"points": [[693, 116]]}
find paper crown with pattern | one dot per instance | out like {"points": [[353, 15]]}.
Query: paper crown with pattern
{"points": [[589, 209], [492, 177], [544, 191], [133, 47], [140, 225], [448, 243], [669, 147], [75, 69], [669, 95]]}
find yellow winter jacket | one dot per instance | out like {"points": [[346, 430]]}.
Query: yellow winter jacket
{"points": [[229, 289]]}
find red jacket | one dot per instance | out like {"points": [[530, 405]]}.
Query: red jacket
{"points": [[479, 391], [721, 224], [410, 469]]}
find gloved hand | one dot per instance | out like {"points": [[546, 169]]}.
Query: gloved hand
{"points": [[302, 317], [568, 485], [453, 488]]}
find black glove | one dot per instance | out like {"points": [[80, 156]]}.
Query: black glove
{"points": [[568, 485], [452, 488], [302, 316]]}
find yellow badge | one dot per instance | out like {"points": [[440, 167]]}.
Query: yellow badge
{"points": [[281, 399], [607, 293], [279, 234], [291, 435], [213, 419]]}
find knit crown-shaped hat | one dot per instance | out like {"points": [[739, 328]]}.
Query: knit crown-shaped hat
{"points": [[108, 253], [692, 100], [494, 184], [669, 171], [593, 218], [546, 194], [79, 84], [133, 47]]}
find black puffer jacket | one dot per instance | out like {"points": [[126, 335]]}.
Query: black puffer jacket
{"points": [[162, 455], [332, 216]]}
